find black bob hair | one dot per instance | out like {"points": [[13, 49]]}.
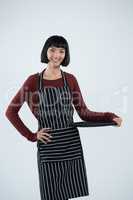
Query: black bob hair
{"points": [[56, 41]]}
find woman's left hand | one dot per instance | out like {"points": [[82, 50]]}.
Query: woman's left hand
{"points": [[118, 120]]}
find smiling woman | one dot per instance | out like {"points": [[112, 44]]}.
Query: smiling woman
{"points": [[51, 95]]}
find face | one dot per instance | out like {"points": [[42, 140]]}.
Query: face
{"points": [[56, 55]]}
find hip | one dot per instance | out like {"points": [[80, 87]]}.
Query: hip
{"points": [[65, 144]]}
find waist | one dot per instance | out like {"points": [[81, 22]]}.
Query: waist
{"points": [[62, 135], [65, 144]]}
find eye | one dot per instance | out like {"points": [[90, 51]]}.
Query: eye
{"points": [[52, 50], [62, 51]]}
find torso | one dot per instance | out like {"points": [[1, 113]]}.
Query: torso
{"points": [[32, 86], [55, 105]]}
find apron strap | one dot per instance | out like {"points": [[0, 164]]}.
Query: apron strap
{"points": [[39, 84], [64, 78]]}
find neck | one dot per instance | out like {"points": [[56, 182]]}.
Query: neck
{"points": [[52, 70]]}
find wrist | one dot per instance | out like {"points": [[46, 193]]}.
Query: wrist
{"points": [[32, 137]]}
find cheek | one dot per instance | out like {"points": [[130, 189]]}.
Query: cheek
{"points": [[49, 55], [63, 56]]}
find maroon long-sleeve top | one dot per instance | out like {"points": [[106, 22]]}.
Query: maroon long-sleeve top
{"points": [[28, 93]]}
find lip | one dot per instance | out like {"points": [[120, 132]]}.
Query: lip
{"points": [[56, 60]]}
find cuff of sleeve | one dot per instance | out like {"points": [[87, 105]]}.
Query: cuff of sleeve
{"points": [[111, 115], [32, 137]]}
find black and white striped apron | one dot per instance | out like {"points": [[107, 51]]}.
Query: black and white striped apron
{"points": [[61, 165]]}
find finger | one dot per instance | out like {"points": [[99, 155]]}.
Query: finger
{"points": [[119, 124], [47, 134], [44, 136], [115, 119], [44, 129], [42, 140], [47, 139]]}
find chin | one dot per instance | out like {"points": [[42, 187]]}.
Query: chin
{"points": [[56, 64]]}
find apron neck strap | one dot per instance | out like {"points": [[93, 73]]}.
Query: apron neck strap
{"points": [[64, 78], [40, 86]]}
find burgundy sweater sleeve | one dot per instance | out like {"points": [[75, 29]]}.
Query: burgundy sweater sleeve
{"points": [[83, 111], [14, 107]]}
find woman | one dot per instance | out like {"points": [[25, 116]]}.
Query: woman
{"points": [[51, 95]]}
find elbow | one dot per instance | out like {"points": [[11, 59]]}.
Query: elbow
{"points": [[7, 114]]}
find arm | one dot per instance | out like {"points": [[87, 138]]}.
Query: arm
{"points": [[14, 107], [82, 110]]}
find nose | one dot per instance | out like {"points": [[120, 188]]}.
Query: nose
{"points": [[56, 56]]}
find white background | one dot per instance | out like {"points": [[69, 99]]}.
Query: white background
{"points": [[99, 37]]}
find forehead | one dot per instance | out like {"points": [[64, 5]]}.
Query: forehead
{"points": [[58, 48]]}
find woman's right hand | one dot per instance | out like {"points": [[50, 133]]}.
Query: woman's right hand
{"points": [[43, 136]]}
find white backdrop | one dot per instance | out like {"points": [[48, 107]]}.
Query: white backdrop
{"points": [[99, 36]]}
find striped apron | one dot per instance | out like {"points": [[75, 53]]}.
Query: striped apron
{"points": [[61, 165]]}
